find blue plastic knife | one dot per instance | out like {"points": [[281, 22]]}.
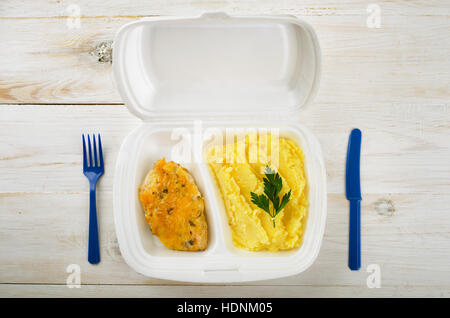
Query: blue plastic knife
{"points": [[353, 193]]}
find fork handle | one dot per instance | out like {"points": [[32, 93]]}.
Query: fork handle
{"points": [[94, 248]]}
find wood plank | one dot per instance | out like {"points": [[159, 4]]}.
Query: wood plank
{"points": [[41, 173], [49, 8], [391, 82], [215, 291], [404, 61], [405, 148], [406, 235], [42, 149]]}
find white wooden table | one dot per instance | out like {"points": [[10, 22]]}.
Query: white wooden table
{"points": [[392, 82]]}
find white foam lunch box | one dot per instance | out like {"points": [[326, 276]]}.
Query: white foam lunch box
{"points": [[185, 76]]}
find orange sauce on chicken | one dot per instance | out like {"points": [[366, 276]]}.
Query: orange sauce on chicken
{"points": [[174, 207]]}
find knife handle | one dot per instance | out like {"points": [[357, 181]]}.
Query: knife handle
{"points": [[354, 253]]}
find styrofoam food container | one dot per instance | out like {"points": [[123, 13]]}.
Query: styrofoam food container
{"points": [[221, 72]]}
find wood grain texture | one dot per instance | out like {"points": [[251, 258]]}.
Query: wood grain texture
{"points": [[404, 147], [140, 291], [409, 244], [391, 82], [404, 61], [60, 8], [405, 224]]}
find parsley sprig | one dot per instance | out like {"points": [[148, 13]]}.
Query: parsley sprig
{"points": [[272, 188]]}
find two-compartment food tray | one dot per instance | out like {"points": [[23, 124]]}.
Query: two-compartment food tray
{"points": [[183, 77]]}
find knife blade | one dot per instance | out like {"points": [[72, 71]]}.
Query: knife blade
{"points": [[353, 194]]}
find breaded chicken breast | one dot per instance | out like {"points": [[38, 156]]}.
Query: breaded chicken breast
{"points": [[174, 207]]}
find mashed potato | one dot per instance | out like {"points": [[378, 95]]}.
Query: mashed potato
{"points": [[239, 169]]}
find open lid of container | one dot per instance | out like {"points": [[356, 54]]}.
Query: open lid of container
{"points": [[216, 65]]}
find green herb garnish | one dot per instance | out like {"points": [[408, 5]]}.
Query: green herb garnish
{"points": [[272, 187]]}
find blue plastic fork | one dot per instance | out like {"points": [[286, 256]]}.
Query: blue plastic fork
{"points": [[93, 169]]}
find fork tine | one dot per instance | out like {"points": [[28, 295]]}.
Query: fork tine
{"points": [[90, 151], [84, 153], [95, 151], [100, 150]]}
